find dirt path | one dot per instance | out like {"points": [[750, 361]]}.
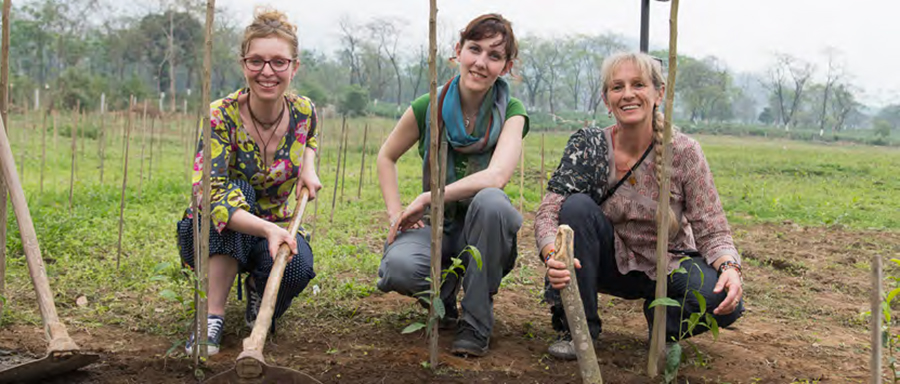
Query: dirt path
{"points": [[805, 289]]}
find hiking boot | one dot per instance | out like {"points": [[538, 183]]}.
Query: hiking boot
{"points": [[254, 300], [469, 342], [563, 348], [214, 329]]}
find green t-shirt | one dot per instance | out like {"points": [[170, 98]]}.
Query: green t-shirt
{"points": [[420, 108]]}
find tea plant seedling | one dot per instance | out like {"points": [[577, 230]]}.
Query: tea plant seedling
{"points": [[455, 268]]}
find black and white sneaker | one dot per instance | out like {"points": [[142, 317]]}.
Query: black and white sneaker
{"points": [[215, 326], [254, 300]]}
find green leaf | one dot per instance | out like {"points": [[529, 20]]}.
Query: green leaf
{"points": [[713, 325], [439, 308], [896, 261], [475, 253], [673, 360], [679, 270], [666, 301], [890, 297], [425, 300], [701, 301], [159, 278], [692, 322], [412, 328]]}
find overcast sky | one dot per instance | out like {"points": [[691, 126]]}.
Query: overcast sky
{"points": [[744, 34]]}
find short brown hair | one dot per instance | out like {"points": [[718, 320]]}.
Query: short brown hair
{"points": [[269, 22], [490, 25]]}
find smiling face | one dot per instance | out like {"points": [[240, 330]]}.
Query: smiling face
{"points": [[268, 84], [481, 62], [630, 95]]}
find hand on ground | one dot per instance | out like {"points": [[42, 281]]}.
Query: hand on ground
{"points": [[730, 281]]}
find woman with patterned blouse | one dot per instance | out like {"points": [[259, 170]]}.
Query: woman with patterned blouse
{"points": [[606, 188], [484, 127], [260, 135]]}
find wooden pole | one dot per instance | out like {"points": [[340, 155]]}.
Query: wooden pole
{"points": [[876, 299], [73, 131], [55, 131], [344, 163], [23, 152], [657, 358], [4, 112], [362, 167], [543, 174], [102, 143], [337, 171], [124, 179], [43, 149], [150, 161], [575, 317], [437, 186], [522, 180], [205, 223], [143, 131]]}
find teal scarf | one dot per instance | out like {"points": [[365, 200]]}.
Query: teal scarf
{"points": [[476, 148]]}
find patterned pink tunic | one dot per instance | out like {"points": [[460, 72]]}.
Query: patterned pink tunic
{"points": [[588, 167]]}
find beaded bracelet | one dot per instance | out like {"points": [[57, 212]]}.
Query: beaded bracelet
{"points": [[549, 255], [729, 265]]}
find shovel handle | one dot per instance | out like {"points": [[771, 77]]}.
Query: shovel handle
{"points": [[59, 337], [257, 338]]}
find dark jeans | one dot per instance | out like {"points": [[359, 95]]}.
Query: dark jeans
{"points": [[595, 248]]}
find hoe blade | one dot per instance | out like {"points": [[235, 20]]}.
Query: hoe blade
{"points": [[262, 373], [56, 363]]}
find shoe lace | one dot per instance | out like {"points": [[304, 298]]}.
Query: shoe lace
{"points": [[214, 327]]}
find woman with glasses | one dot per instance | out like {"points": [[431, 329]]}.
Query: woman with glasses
{"points": [[484, 128], [263, 147]]}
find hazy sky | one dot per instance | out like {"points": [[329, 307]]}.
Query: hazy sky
{"points": [[744, 34]]}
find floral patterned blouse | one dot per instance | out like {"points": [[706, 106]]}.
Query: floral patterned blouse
{"points": [[236, 156], [588, 166]]}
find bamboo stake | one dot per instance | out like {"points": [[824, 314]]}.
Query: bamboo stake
{"points": [[124, 179], [43, 150], [362, 167], [150, 162], [55, 132], [876, 319], [575, 317], [81, 131], [657, 359], [543, 173], [337, 171], [101, 144], [522, 180], [206, 183], [23, 152], [74, 133], [436, 187], [143, 131], [4, 112], [344, 164]]}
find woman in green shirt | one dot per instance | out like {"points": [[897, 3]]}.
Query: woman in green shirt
{"points": [[484, 128]]}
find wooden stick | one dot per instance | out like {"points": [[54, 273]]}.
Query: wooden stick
{"points": [[150, 162], [23, 152], [362, 167], [337, 171], [73, 131], [43, 150], [205, 222], [876, 300], [575, 317], [55, 132], [124, 180], [344, 164], [543, 174], [195, 222], [143, 131], [657, 359], [522, 180], [436, 187], [101, 145], [81, 131], [4, 112]]}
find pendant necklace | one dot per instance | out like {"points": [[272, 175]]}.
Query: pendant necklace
{"points": [[266, 126], [628, 171]]}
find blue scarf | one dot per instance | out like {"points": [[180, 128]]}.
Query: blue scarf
{"points": [[478, 147]]}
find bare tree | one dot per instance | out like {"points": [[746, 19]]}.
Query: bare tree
{"points": [[787, 79], [386, 32], [832, 76], [351, 39]]}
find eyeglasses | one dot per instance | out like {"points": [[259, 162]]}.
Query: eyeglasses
{"points": [[257, 64]]}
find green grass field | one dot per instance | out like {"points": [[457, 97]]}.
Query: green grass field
{"points": [[759, 181]]}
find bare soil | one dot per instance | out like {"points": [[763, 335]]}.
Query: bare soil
{"points": [[805, 290]]}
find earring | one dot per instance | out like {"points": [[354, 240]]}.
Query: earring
{"points": [[609, 113]]}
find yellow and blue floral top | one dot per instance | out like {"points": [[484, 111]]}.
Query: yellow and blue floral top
{"points": [[236, 156]]}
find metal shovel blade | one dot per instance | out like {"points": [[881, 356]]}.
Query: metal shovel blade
{"points": [[252, 371], [55, 363]]}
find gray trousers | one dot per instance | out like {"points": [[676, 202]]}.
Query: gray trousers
{"points": [[490, 225]]}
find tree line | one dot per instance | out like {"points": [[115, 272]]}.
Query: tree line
{"points": [[73, 50]]}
